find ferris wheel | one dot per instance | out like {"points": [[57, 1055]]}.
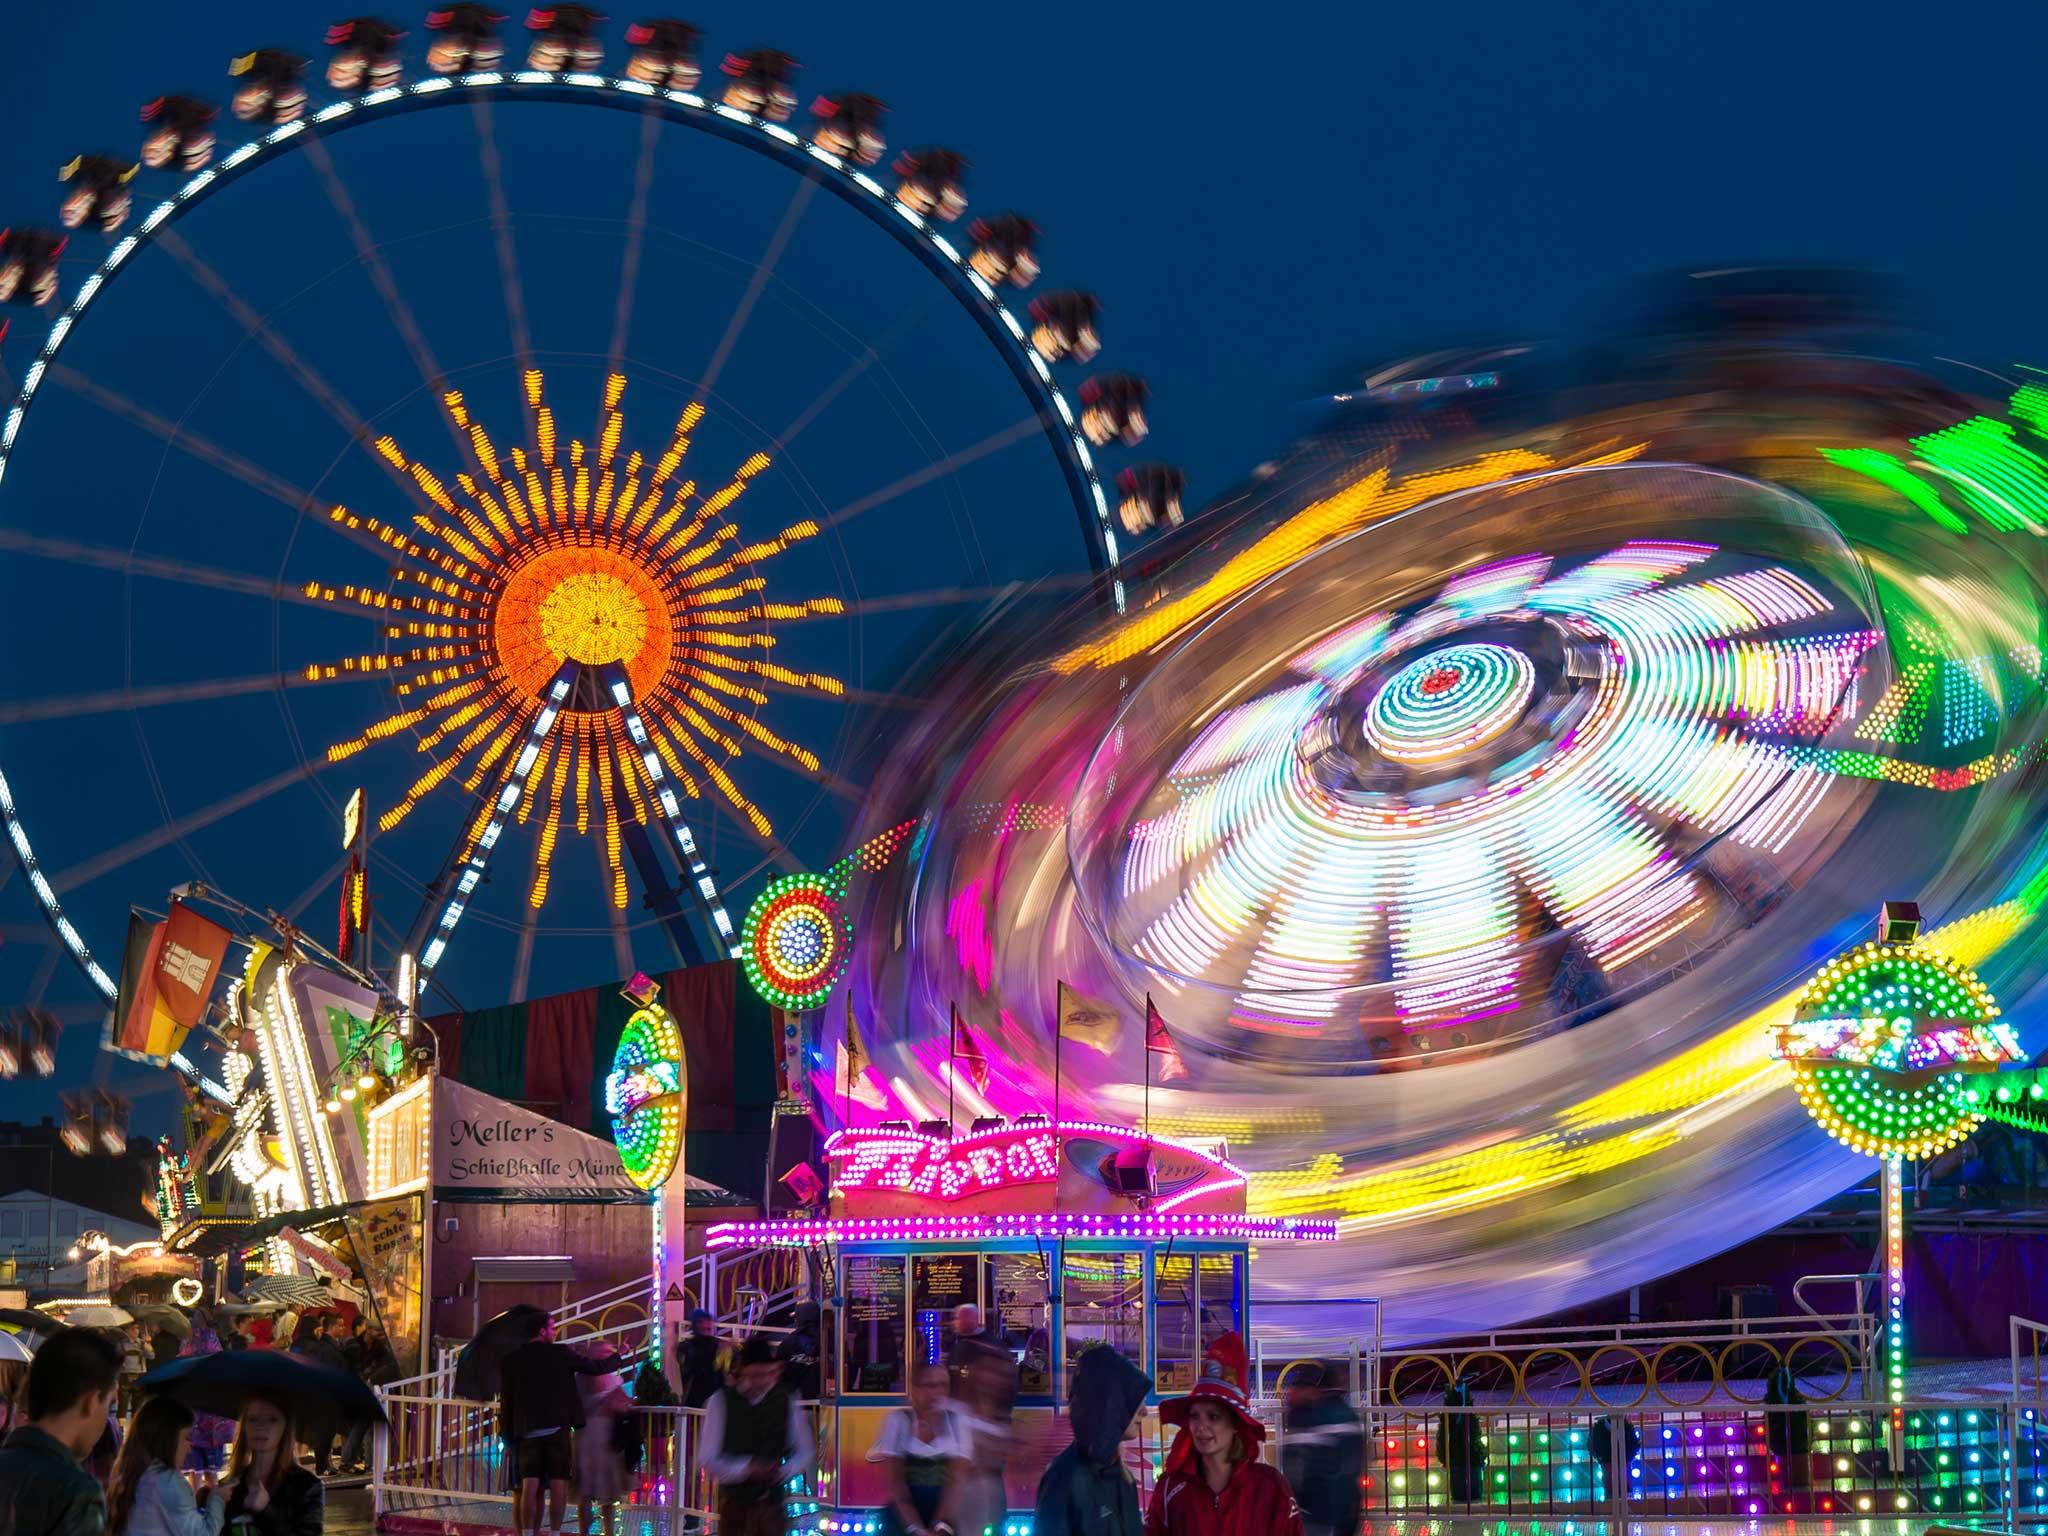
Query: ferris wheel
{"points": [[546, 475]]}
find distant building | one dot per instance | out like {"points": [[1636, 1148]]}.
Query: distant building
{"points": [[38, 1233]]}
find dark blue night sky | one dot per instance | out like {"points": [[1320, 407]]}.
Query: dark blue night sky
{"points": [[1265, 203]]}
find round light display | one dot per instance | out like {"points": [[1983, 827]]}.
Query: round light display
{"points": [[1881, 1044], [1449, 701], [645, 1094], [796, 941]]}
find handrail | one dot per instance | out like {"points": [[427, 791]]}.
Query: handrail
{"points": [[1869, 1277], [2035, 1332]]}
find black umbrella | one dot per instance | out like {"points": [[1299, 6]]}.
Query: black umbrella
{"points": [[316, 1398], [16, 1320], [477, 1367]]}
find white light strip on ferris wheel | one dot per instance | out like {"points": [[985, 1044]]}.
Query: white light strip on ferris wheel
{"points": [[508, 796], [672, 813], [60, 328]]}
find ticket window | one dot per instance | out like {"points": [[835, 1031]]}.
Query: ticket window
{"points": [[1017, 1296], [940, 1284], [1197, 1298], [1102, 1298], [872, 1323]]}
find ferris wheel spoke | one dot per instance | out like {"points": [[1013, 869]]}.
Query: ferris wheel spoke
{"points": [[995, 442], [184, 826], [778, 242], [183, 438], [529, 923], [636, 240], [75, 706], [331, 400], [913, 313], [501, 233], [381, 279], [46, 972], [103, 557], [622, 941], [306, 897]]}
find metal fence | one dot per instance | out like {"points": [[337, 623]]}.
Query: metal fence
{"points": [[442, 1464]]}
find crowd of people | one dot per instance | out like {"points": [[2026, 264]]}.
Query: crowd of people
{"points": [[155, 1484], [573, 1433]]}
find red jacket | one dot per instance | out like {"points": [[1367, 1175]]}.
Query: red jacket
{"points": [[1255, 1502]]}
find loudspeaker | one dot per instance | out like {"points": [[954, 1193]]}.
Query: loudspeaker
{"points": [[1130, 1171], [1899, 922]]}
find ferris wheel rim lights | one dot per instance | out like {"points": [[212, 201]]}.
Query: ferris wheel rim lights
{"points": [[685, 107]]}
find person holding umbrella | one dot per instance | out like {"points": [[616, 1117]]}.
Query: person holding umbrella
{"points": [[539, 1406], [270, 1491], [280, 1401], [45, 1489]]}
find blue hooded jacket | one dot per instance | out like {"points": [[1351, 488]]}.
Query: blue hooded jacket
{"points": [[1086, 1491]]}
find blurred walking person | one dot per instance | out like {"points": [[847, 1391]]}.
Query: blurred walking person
{"points": [[756, 1440], [924, 1449], [600, 1467], [1324, 1453]]}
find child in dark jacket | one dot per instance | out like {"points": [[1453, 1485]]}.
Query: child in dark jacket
{"points": [[1086, 1491]]}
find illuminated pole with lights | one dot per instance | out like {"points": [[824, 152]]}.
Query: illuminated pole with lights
{"points": [[647, 1096], [1881, 1045]]}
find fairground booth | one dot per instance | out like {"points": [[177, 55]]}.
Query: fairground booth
{"points": [[1066, 1236], [433, 1172]]}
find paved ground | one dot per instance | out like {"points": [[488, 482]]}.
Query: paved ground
{"points": [[348, 1512]]}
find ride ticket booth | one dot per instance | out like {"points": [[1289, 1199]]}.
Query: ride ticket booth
{"points": [[1065, 1236]]}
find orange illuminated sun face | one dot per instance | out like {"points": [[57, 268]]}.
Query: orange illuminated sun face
{"points": [[555, 552], [590, 604]]}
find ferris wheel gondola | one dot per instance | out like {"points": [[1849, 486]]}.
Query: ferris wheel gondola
{"points": [[621, 747]]}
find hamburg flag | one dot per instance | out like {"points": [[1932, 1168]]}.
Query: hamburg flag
{"points": [[1158, 1041], [1089, 1021], [167, 974], [967, 1056]]}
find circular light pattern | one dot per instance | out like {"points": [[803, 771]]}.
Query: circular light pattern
{"points": [[186, 1291], [1474, 813], [796, 941], [590, 603], [1450, 701], [1881, 1045], [645, 1094]]}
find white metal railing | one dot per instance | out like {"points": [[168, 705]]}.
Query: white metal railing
{"points": [[442, 1460], [2029, 1402]]}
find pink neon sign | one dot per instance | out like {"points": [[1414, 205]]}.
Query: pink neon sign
{"points": [[1025, 1168]]}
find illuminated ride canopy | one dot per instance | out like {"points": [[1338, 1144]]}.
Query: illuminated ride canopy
{"points": [[1472, 820]]}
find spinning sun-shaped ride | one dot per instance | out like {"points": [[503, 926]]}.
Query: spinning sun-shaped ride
{"points": [[1371, 836], [654, 642]]}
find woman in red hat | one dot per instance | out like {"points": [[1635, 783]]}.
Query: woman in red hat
{"points": [[1214, 1483]]}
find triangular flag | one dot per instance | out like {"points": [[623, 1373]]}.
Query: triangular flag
{"points": [[853, 1068], [1089, 1021], [1158, 1041], [967, 1055]]}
